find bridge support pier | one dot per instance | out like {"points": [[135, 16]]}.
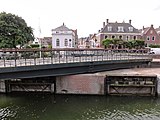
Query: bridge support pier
{"points": [[2, 86]]}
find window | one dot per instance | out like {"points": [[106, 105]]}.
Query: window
{"points": [[113, 37], [130, 29], [120, 37], [134, 37], [73, 43], [151, 31], [109, 28], [127, 38], [148, 38], [105, 36], [120, 29], [57, 42], [65, 42], [153, 38]]}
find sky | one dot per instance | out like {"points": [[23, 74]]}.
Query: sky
{"points": [[87, 16]]}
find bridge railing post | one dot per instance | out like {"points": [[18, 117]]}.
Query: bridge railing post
{"points": [[80, 57], [51, 55], [22, 55], [34, 57], [15, 58], [4, 61]]}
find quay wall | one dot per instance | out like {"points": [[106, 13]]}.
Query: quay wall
{"points": [[80, 84], [95, 83]]}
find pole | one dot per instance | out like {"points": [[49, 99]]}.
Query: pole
{"points": [[40, 41], [40, 46]]}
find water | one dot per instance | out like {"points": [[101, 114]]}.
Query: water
{"points": [[77, 107]]}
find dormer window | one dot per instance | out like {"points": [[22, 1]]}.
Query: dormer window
{"points": [[120, 29], [109, 28], [130, 29]]}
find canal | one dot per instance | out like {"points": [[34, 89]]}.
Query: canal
{"points": [[77, 107]]}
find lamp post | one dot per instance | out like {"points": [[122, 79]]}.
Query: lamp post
{"points": [[40, 47], [40, 41]]}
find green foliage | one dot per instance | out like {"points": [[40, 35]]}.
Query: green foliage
{"points": [[126, 44], [14, 31], [34, 45], [139, 43], [28, 46], [49, 46], [154, 46], [107, 42], [130, 44]]}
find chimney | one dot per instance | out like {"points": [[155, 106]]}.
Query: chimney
{"points": [[143, 27], [107, 20], [130, 21], [103, 24], [152, 26]]}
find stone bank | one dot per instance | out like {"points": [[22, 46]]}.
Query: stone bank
{"points": [[95, 83], [90, 84]]}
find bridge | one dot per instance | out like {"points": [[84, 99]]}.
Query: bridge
{"points": [[30, 63]]}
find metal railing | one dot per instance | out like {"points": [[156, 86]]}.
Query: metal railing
{"points": [[28, 57]]}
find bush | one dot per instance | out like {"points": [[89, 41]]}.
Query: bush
{"points": [[154, 46], [34, 45]]}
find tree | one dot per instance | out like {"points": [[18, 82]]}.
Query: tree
{"points": [[116, 43], [140, 43], [14, 31], [107, 42]]}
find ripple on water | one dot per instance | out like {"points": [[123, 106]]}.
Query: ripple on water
{"points": [[6, 113], [147, 114]]}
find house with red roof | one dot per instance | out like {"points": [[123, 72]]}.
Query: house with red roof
{"points": [[150, 36]]}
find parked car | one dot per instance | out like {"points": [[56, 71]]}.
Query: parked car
{"points": [[151, 52], [155, 50]]}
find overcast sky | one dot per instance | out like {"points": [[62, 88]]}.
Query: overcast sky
{"points": [[87, 16]]}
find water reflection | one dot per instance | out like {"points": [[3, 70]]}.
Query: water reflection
{"points": [[76, 107]]}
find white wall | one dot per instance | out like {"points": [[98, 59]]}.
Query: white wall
{"points": [[62, 38]]}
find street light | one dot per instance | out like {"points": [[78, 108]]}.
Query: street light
{"points": [[40, 47]]}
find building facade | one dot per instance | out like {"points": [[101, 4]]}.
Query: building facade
{"points": [[44, 42], [151, 36], [63, 37], [158, 30], [115, 30]]}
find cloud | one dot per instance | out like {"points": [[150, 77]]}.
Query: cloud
{"points": [[157, 8]]}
